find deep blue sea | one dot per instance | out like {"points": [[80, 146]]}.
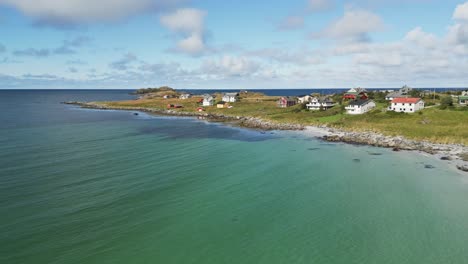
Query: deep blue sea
{"points": [[90, 186]]}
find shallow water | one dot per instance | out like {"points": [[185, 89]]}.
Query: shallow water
{"points": [[87, 186]]}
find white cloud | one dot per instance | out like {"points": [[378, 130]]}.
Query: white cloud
{"points": [[319, 5], [63, 12], [355, 25], [189, 22], [185, 20], [351, 48], [300, 57], [461, 12], [421, 38], [229, 66]]}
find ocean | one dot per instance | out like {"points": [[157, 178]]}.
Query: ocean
{"points": [[90, 186]]}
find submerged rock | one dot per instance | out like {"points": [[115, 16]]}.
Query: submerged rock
{"points": [[428, 166], [357, 160], [463, 168]]}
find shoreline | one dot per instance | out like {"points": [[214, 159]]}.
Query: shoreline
{"points": [[447, 152]]}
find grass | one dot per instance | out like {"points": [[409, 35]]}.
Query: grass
{"points": [[431, 124]]}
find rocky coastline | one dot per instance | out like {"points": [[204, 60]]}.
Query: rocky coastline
{"points": [[452, 153], [248, 122]]}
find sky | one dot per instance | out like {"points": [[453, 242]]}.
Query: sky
{"points": [[212, 44]]}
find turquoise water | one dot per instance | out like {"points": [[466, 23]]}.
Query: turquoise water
{"points": [[85, 186]]}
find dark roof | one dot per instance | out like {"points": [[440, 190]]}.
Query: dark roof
{"points": [[288, 98], [359, 102]]}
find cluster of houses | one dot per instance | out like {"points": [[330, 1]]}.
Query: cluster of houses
{"points": [[209, 100], [359, 102], [400, 101], [312, 102]]}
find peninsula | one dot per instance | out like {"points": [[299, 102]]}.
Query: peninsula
{"points": [[441, 127]]}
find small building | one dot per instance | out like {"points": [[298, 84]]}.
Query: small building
{"points": [[185, 96], [358, 107], [208, 100], [465, 93], [463, 100], [355, 94], [230, 97], [222, 105], [286, 101], [302, 99], [403, 92], [406, 105], [323, 103], [200, 109]]}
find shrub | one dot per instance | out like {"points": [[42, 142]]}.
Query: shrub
{"points": [[446, 102]]}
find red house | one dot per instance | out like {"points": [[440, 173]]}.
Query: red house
{"points": [[355, 94], [286, 101]]}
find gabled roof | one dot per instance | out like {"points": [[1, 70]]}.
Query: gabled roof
{"points": [[359, 102], [403, 100], [207, 97], [231, 94]]}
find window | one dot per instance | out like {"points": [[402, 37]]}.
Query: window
{"points": [[411, 110]]}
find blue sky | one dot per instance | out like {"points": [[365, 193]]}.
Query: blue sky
{"points": [[126, 44]]}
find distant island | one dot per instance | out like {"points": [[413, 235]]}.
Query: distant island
{"points": [[357, 116]]}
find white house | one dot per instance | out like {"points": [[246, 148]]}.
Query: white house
{"points": [[230, 97], [320, 103], [185, 96], [406, 105], [358, 107], [304, 99], [465, 93], [208, 100]]}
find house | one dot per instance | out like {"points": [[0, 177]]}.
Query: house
{"points": [[406, 105], [360, 106], [230, 97], [286, 101], [465, 93], [356, 93], [403, 92], [208, 100], [304, 99], [317, 103], [463, 100], [185, 96]]}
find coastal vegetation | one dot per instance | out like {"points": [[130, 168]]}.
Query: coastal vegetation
{"points": [[444, 122]]}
